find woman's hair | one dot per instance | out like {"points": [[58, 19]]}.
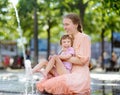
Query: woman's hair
{"points": [[66, 37], [75, 19]]}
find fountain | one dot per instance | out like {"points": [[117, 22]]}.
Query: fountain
{"points": [[26, 79], [20, 31], [27, 63], [29, 76]]}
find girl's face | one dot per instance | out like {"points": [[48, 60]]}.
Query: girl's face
{"points": [[66, 43], [69, 26]]}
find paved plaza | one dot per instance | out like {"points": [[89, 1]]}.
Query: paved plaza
{"points": [[13, 82]]}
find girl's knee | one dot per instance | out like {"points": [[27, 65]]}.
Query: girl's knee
{"points": [[56, 56], [43, 61]]}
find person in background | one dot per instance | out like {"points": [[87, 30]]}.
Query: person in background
{"points": [[6, 61], [113, 60]]}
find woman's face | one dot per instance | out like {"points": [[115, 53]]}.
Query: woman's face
{"points": [[69, 27]]}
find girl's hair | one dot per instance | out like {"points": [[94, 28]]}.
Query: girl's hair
{"points": [[66, 37], [75, 19]]}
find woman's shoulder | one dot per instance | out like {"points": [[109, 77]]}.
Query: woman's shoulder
{"points": [[82, 35]]}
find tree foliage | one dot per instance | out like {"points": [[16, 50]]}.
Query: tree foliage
{"points": [[101, 16], [95, 16]]}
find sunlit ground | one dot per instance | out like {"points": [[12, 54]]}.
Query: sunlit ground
{"points": [[14, 83], [105, 84]]}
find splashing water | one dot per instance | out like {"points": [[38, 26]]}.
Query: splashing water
{"points": [[27, 63], [20, 31], [29, 77]]}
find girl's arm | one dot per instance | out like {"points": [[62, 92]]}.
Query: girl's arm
{"points": [[65, 57], [69, 53]]}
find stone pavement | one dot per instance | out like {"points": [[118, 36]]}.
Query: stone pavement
{"points": [[108, 83], [13, 82]]}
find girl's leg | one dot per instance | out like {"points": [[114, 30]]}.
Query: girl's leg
{"points": [[49, 66], [60, 68], [39, 66]]}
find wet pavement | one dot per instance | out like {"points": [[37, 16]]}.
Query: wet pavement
{"points": [[13, 82]]}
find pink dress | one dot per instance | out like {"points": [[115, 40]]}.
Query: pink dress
{"points": [[68, 65], [77, 82]]}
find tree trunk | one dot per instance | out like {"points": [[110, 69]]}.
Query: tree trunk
{"points": [[82, 7], [112, 45], [48, 40], [102, 48], [35, 36]]}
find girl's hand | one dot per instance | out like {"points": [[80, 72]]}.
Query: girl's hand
{"points": [[50, 57]]}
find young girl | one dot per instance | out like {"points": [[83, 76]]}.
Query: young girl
{"points": [[66, 52]]}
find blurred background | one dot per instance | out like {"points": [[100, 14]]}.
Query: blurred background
{"points": [[31, 29], [37, 25]]}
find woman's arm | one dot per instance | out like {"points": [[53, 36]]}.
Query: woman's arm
{"points": [[79, 61], [82, 49]]}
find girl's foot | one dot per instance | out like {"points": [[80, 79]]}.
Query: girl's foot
{"points": [[35, 71], [44, 74]]}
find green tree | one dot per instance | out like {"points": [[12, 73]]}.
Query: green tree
{"points": [[6, 22], [103, 19], [99, 17]]}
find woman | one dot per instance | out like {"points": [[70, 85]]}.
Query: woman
{"points": [[77, 82]]}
